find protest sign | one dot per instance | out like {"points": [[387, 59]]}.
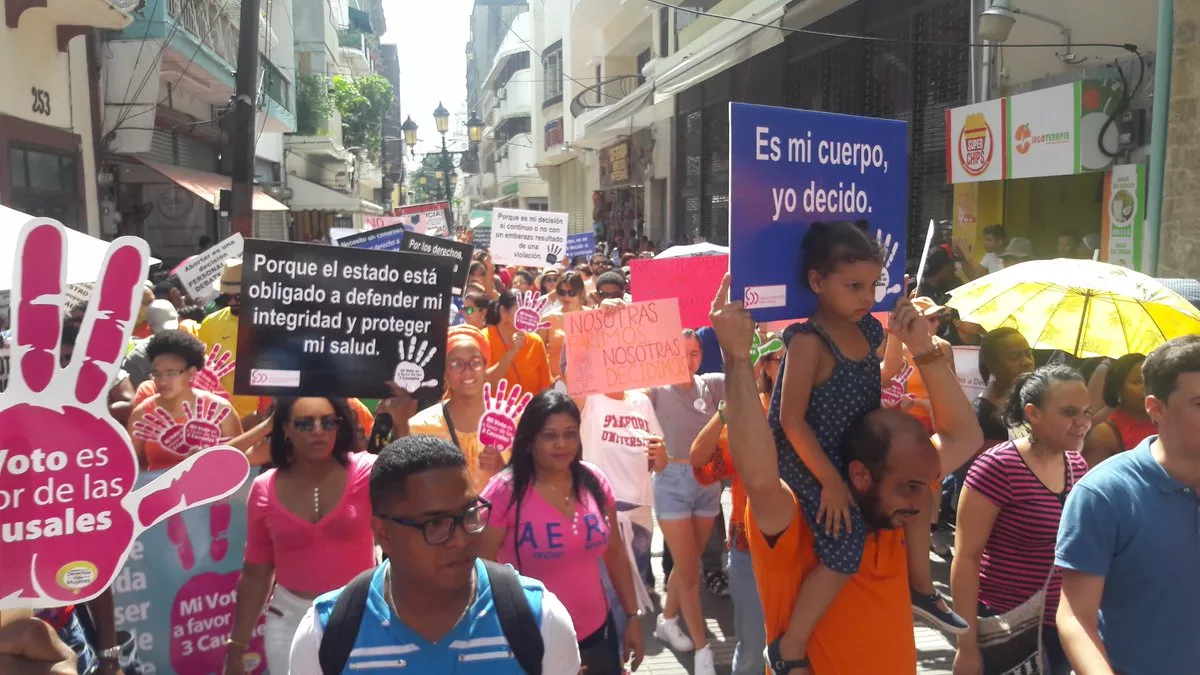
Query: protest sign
{"points": [[176, 594], [380, 239], [336, 233], [458, 253], [634, 347], [531, 308], [581, 244], [791, 168], [498, 425], [481, 238], [332, 321], [378, 222], [693, 281], [199, 272], [429, 218], [529, 238], [68, 507], [966, 366]]}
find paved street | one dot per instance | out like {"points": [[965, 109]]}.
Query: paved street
{"points": [[935, 653]]}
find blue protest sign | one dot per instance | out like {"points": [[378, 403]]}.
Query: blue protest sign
{"points": [[791, 168], [387, 238], [581, 244]]}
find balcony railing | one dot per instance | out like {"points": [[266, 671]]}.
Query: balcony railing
{"points": [[604, 94], [210, 23]]}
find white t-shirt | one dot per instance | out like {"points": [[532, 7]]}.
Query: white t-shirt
{"points": [[612, 440], [991, 262]]}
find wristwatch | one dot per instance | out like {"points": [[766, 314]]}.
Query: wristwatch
{"points": [[111, 654], [932, 356], [637, 614]]}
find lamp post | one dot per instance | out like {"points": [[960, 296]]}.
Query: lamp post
{"points": [[448, 160]]}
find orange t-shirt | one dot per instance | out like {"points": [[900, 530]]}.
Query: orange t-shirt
{"points": [[868, 628], [531, 366], [721, 467]]}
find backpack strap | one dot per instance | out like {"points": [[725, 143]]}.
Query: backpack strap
{"points": [[341, 630], [516, 618]]}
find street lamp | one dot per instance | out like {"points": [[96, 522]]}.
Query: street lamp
{"points": [[449, 161]]}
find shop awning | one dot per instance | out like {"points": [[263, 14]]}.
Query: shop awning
{"points": [[208, 186], [370, 208], [309, 196], [739, 44]]}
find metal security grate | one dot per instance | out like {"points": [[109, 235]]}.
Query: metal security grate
{"points": [[688, 159]]}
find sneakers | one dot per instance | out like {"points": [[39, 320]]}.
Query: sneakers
{"points": [[670, 632], [718, 584], [704, 662], [925, 607]]}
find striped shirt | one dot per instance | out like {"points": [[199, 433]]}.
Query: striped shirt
{"points": [[1020, 549]]}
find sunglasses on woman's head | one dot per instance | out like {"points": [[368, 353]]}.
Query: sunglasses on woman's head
{"points": [[327, 423]]}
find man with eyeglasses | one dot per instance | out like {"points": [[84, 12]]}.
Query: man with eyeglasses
{"points": [[432, 607]]}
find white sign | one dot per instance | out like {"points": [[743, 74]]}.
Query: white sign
{"points": [[1042, 138], [966, 364], [975, 142], [203, 270], [528, 238], [77, 298]]}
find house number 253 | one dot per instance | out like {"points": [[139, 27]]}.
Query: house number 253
{"points": [[41, 101]]}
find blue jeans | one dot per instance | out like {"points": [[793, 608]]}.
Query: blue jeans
{"points": [[748, 622], [72, 635]]}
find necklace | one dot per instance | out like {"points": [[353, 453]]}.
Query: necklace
{"points": [[317, 502], [566, 499], [387, 594]]}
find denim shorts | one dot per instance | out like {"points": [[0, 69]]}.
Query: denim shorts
{"points": [[677, 495]]}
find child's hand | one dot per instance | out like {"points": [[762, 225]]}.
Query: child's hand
{"points": [[835, 508]]}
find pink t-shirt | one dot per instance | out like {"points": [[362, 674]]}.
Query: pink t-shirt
{"points": [[563, 553], [313, 558]]}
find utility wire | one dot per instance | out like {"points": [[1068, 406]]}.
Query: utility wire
{"points": [[870, 38]]}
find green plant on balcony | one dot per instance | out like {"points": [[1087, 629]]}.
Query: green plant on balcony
{"points": [[314, 105], [363, 103], [350, 38]]}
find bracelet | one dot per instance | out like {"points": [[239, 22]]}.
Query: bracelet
{"points": [[721, 413], [234, 643]]}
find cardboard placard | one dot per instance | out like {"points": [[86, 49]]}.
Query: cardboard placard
{"points": [[68, 506], [693, 281], [966, 365], [332, 321], [528, 238], [791, 168], [177, 592], [201, 271], [380, 239], [636, 346], [581, 244], [457, 252]]}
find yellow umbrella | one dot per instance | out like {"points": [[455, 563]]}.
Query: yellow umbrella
{"points": [[1082, 307]]}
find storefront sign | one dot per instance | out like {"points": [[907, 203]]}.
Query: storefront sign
{"points": [[1043, 133], [552, 134], [622, 163], [694, 281], [333, 321], [791, 168], [1123, 231], [177, 592], [200, 271], [618, 158], [975, 145], [529, 238], [634, 347]]}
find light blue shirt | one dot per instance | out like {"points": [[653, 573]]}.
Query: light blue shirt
{"points": [[1130, 522]]}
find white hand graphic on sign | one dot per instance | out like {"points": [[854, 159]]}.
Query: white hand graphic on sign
{"points": [[884, 286], [410, 372]]}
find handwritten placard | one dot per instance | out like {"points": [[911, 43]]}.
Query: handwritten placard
{"points": [[693, 281], [636, 346]]}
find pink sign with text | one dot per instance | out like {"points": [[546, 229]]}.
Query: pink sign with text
{"points": [[693, 281], [68, 509], [636, 346]]}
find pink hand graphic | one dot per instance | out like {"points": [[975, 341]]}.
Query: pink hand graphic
{"points": [[498, 426], [894, 393], [200, 429], [531, 307], [217, 365], [67, 469]]}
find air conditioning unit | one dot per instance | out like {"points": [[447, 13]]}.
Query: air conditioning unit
{"points": [[502, 93]]}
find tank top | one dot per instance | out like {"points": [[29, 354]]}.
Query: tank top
{"points": [[1130, 430]]}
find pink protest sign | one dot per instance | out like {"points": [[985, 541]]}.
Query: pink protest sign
{"points": [[498, 426], [199, 429], [217, 365], [693, 281], [68, 509], [636, 346], [531, 307]]}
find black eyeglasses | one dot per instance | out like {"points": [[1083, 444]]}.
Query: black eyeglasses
{"points": [[307, 424], [439, 529]]}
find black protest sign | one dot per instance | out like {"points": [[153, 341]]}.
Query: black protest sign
{"points": [[340, 322], [446, 248]]}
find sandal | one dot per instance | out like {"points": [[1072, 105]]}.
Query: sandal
{"points": [[718, 584], [780, 666]]}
